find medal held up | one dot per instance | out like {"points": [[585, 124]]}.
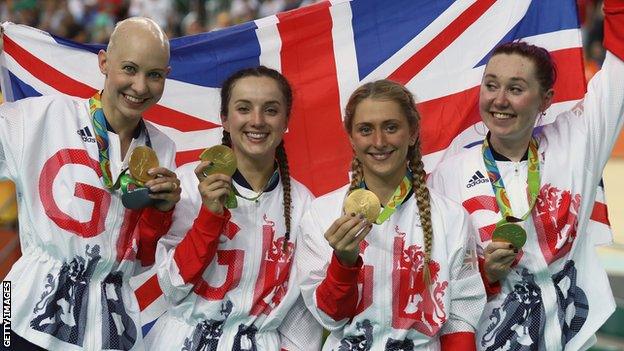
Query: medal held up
{"points": [[134, 193], [223, 160]]}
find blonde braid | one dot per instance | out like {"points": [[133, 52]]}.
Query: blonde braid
{"points": [[421, 192], [284, 172], [356, 174]]}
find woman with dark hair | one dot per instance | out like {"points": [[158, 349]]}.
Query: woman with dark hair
{"points": [[227, 274], [535, 194], [409, 281]]}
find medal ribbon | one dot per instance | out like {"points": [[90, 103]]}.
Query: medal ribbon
{"points": [[101, 136], [396, 199], [231, 200], [496, 180]]}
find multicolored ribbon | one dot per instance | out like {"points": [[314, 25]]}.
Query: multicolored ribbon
{"points": [[496, 180], [397, 198], [101, 136]]}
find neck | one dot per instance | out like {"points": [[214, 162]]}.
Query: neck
{"points": [[123, 127], [383, 187], [513, 150], [256, 172]]}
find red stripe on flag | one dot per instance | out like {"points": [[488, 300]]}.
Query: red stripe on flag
{"points": [[600, 213], [184, 157], [46, 73], [167, 117], [416, 63], [147, 293], [49, 75], [315, 138], [444, 118]]}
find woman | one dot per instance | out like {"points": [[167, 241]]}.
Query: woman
{"points": [[80, 245], [551, 293], [228, 276], [411, 280]]}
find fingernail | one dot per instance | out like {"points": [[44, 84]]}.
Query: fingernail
{"points": [[515, 250], [352, 214], [150, 172], [511, 246], [361, 216]]}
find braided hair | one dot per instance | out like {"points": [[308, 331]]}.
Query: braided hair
{"points": [[280, 152], [391, 91]]}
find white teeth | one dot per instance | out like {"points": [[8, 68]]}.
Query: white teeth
{"points": [[257, 135], [133, 99], [501, 115], [381, 157]]}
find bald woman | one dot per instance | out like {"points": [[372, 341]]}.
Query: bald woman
{"points": [[80, 242]]}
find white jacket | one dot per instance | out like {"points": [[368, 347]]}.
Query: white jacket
{"points": [[227, 278], [557, 294], [388, 286], [70, 288]]}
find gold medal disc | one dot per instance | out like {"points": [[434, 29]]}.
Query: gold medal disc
{"points": [[365, 202], [141, 160], [511, 233], [222, 158]]}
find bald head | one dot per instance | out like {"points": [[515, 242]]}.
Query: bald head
{"points": [[138, 30]]}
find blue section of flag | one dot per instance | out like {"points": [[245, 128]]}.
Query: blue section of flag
{"points": [[207, 59], [20, 89], [147, 327], [381, 28], [543, 16], [94, 48]]}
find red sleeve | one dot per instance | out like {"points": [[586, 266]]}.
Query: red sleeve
{"points": [[614, 27], [490, 288], [198, 248], [337, 295], [153, 224], [464, 341]]}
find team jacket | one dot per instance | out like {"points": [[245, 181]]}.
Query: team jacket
{"points": [[228, 278], [79, 244], [382, 303], [557, 294]]}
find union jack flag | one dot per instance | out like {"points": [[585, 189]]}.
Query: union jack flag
{"points": [[437, 48]]}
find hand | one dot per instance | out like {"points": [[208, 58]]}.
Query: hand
{"points": [[166, 187], [345, 235], [499, 256], [214, 189]]}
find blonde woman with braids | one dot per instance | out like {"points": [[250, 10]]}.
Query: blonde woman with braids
{"points": [[227, 274], [410, 280]]}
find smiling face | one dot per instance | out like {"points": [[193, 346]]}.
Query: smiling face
{"points": [[380, 136], [135, 66], [510, 100], [256, 118]]}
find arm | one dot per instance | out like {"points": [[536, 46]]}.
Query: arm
{"points": [[466, 288], [189, 247], [329, 291]]}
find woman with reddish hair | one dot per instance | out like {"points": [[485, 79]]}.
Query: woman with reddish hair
{"points": [[533, 194]]}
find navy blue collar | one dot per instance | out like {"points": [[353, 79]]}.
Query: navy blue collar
{"points": [[240, 180]]}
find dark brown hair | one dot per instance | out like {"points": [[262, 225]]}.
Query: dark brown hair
{"points": [[545, 69], [280, 152]]}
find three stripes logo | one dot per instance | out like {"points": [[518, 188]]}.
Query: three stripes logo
{"points": [[86, 135], [477, 178]]}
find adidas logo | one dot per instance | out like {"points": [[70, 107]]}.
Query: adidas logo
{"points": [[86, 135], [477, 178]]}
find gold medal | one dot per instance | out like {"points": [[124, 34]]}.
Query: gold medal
{"points": [[222, 158], [365, 202], [141, 160], [511, 233]]}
